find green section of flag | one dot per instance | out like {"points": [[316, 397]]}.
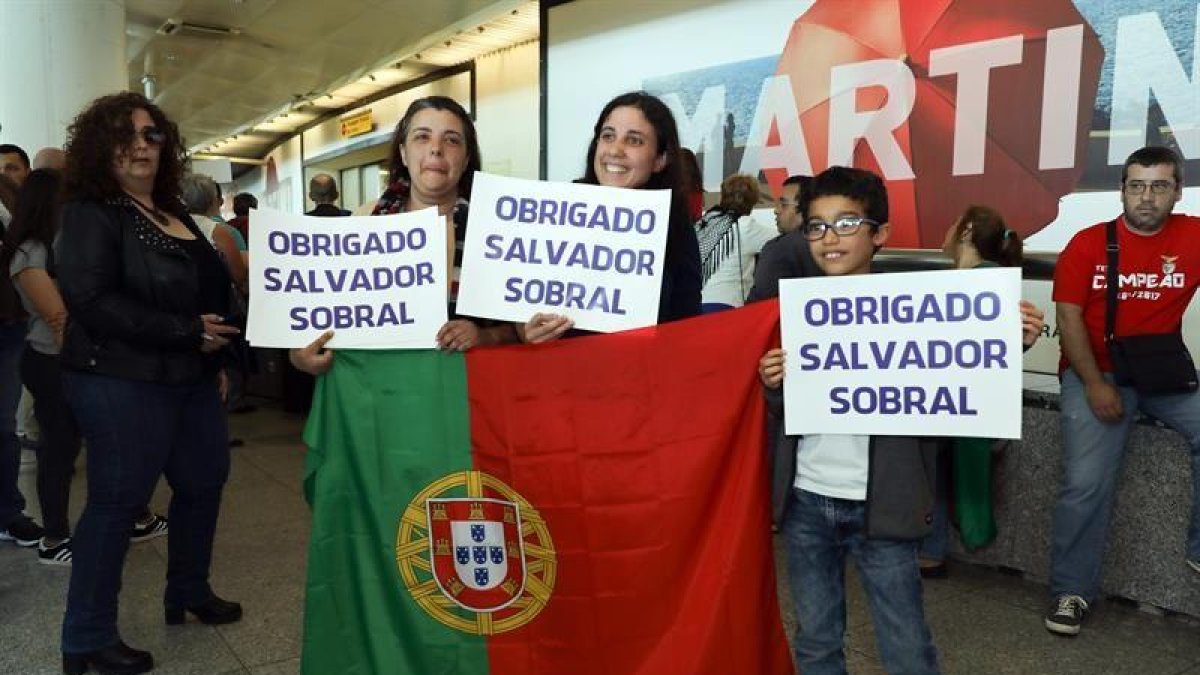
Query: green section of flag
{"points": [[384, 425]]}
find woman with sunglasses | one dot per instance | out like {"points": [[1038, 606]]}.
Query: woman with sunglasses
{"points": [[146, 294]]}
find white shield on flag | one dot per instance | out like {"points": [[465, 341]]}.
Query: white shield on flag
{"points": [[477, 551]]}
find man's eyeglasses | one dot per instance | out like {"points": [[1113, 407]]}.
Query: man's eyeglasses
{"points": [[793, 203], [152, 135], [845, 226], [1158, 187]]}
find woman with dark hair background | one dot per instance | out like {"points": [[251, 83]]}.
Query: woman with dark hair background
{"points": [[635, 144], [147, 295], [695, 183], [978, 239], [26, 256]]}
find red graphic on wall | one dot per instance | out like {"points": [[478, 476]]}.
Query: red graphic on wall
{"points": [[1003, 165]]}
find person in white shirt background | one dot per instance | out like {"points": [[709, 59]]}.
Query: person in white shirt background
{"points": [[730, 240]]}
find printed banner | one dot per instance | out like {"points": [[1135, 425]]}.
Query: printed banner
{"points": [[591, 253], [864, 357], [379, 282], [1030, 107]]}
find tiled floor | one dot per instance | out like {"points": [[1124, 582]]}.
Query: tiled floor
{"points": [[983, 621]]}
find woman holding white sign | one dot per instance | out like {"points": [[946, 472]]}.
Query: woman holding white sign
{"points": [[435, 154], [635, 144]]}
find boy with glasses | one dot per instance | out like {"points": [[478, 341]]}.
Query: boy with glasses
{"points": [[1159, 271], [836, 494]]}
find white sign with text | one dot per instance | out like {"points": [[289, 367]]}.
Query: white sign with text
{"points": [[903, 354], [591, 253], [379, 282]]}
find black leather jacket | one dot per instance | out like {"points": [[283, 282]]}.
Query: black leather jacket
{"points": [[131, 296]]}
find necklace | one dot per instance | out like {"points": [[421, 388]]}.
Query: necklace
{"points": [[158, 216]]}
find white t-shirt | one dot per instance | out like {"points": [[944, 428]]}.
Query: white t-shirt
{"points": [[833, 465], [732, 281]]}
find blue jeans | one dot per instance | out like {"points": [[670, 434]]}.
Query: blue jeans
{"points": [[818, 532], [1092, 454], [12, 343], [136, 432]]}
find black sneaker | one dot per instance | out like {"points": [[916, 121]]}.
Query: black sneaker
{"points": [[23, 531], [1066, 615], [59, 554], [155, 527]]}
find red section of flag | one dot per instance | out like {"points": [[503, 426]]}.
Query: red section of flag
{"points": [[644, 453]]}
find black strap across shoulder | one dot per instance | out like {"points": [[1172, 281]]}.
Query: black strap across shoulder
{"points": [[1112, 274]]}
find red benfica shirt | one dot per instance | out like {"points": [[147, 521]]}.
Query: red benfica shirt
{"points": [[1158, 277]]}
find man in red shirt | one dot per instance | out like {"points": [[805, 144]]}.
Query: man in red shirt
{"points": [[1159, 263]]}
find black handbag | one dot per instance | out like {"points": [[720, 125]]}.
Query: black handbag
{"points": [[1154, 363]]}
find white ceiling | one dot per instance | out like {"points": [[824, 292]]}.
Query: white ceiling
{"points": [[305, 57]]}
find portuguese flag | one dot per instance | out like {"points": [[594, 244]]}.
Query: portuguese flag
{"points": [[593, 505]]}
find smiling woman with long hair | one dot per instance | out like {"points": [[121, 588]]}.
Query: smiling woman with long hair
{"points": [[635, 145], [146, 295]]}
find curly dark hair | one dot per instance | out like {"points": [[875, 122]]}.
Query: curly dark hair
{"points": [[104, 128]]}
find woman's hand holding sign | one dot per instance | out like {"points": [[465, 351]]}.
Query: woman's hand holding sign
{"points": [[545, 327], [1033, 320], [313, 359], [458, 335], [770, 368]]}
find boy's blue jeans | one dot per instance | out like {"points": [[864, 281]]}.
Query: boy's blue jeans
{"points": [[818, 532]]}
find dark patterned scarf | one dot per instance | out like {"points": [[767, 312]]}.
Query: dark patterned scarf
{"points": [[395, 199], [718, 236]]}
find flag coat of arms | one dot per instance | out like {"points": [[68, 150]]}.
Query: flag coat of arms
{"points": [[598, 505]]}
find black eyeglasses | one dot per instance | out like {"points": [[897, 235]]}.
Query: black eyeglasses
{"points": [[845, 226], [152, 135], [1158, 187]]}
